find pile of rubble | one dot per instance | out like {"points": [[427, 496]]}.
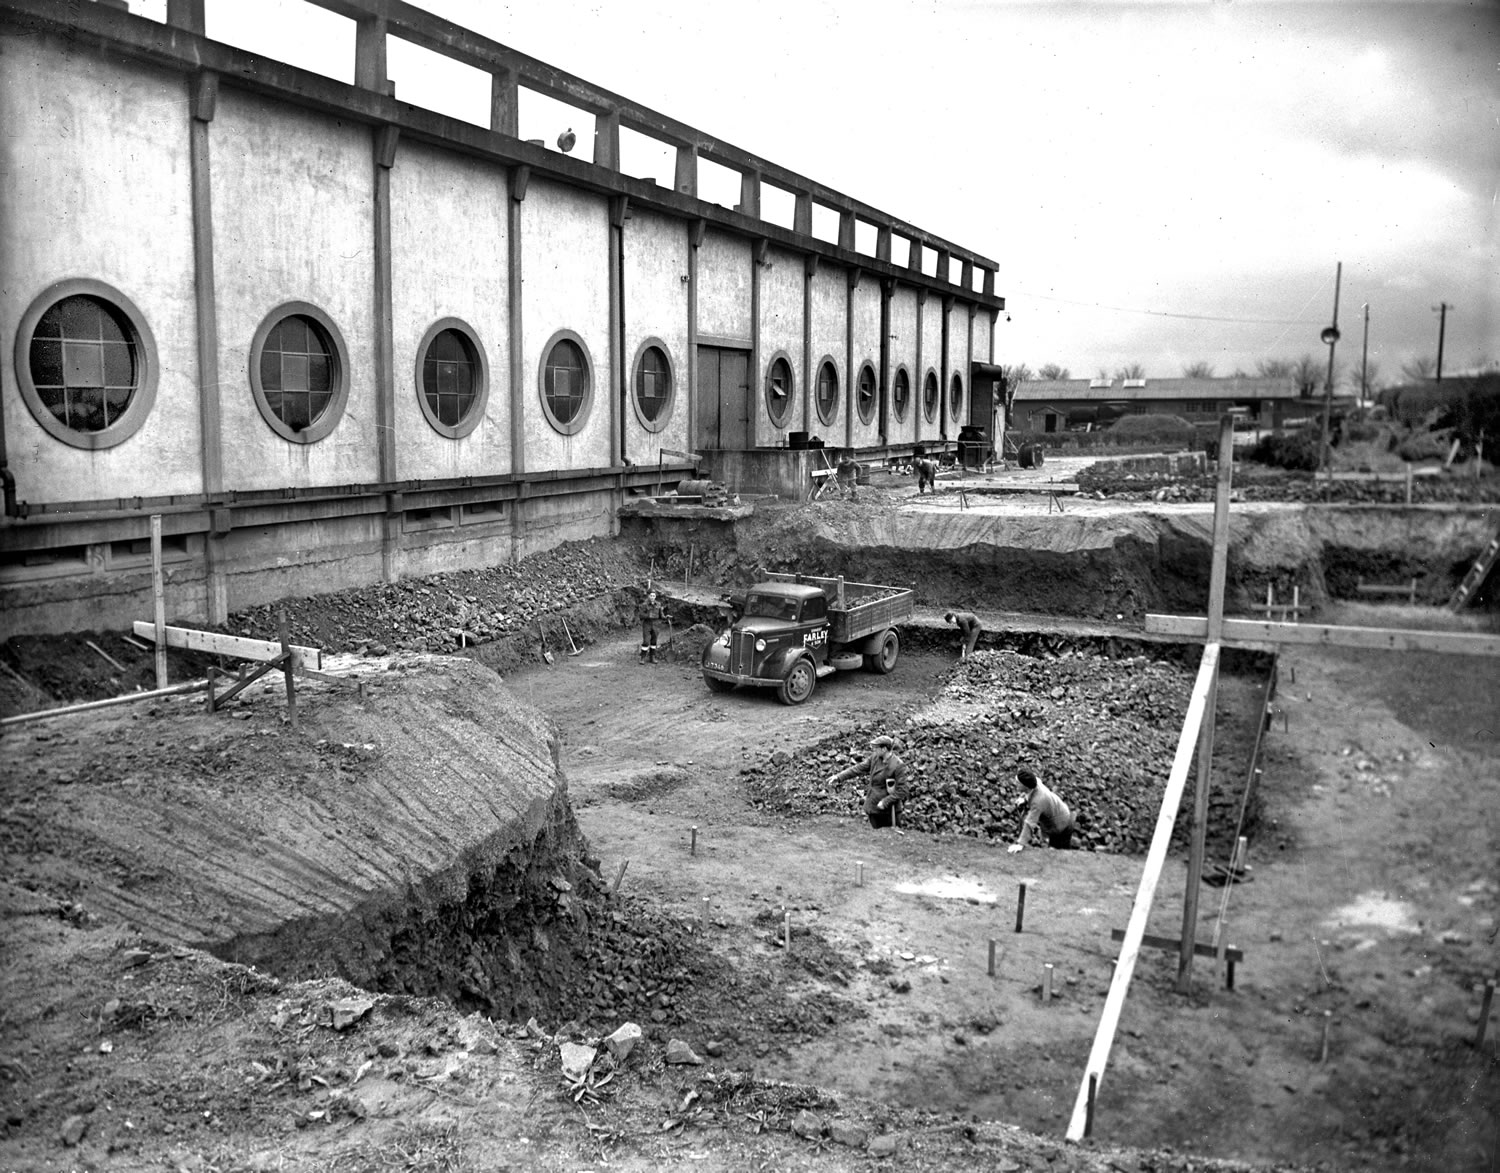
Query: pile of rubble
{"points": [[1102, 731], [444, 613]]}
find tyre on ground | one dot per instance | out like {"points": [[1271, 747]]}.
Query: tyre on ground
{"points": [[883, 659], [798, 683]]}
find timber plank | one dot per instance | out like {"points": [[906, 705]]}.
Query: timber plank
{"points": [[1241, 632], [236, 646]]}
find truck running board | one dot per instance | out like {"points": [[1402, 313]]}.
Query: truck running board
{"points": [[826, 670]]}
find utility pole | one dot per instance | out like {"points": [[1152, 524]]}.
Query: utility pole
{"points": [[1364, 359], [1330, 335], [1442, 309]]}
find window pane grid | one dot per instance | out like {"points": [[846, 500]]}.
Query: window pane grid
{"points": [[652, 387], [296, 372], [84, 366], [567, 383], [449, 378]]}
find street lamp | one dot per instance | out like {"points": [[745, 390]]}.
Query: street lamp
{"points": [[1330, 335], [1364, 359]]}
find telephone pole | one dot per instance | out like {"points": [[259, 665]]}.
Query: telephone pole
{"points": [[1330, 335], [1442, 309], [1364, 359]]}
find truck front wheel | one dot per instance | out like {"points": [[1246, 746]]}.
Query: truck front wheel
{"points": [[798, 684], [884, 659]]}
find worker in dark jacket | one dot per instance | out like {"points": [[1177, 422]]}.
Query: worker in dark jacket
{"points": [[926, 474], [968, 626], [885, 783], [1045, 812], [651, 613]]}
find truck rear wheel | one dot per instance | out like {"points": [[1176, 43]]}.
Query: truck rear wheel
{"points": [[798, 684], [717, 685], [884, 660]]}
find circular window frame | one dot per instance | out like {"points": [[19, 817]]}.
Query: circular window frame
{"points": [[930, 409], [781, 422], [141, 402], [867, 417], [956, 396], [833, 415], [586, 409], [476, 410], [334, 413], [898, 409], [661, 421]]}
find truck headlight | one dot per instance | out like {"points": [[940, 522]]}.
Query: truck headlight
{"points": [[760, 645]]}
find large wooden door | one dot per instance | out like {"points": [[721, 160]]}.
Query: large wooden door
{"points": [[723, 398]]}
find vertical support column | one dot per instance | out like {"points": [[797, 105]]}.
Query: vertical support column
{"points": [[696, 229], [504, 103], [186, 15], [969, 369], [846, 229], [759, 250], [994, 325], [520, 179], [919, 391], [849, 396], [750, 193], [887, 291], [202, 102], [943, 275], [369, 55], [1217, 569], [944, 373], [809, 271], [966, 278], [802, 213], [914, 258], [386, 138], [607, 139], [686, 180], [883, 243], [619, 378]]}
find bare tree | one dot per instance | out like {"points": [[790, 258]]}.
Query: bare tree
{"points": [[1131, 371], [1419, 369], [1307, 374], [1274, 368], [1052, 370], [1103, 374], [1198, 370]]}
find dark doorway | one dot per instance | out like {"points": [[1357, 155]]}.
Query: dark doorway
{"points": [[723, 398]]}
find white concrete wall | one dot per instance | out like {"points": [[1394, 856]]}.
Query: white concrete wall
{"points": [[958, 363], [449, 258], [94, 184], [656, 306], [565, 267], [724, 286], [904, 351], [780, 331], [932, 360], [293, 214], [829, 326]]}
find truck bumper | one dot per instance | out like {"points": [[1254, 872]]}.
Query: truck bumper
{"points": [[736, 678]]}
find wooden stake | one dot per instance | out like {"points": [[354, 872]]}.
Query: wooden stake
{"points": [[286, 672], [105, 654], [1484, 1013], [786, 930], [707, 900], [1088, 1120], [693, 842], [992, 956], [1323, 1049], [212, 672], [1021, 906], [859, 875], [619, 875], [159, 599], [1047, 982]]}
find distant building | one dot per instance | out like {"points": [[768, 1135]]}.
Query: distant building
{"points": [[1060, 405], [334, 338]]}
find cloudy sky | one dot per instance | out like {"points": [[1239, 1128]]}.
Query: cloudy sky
{"points": [[1160, 183]]}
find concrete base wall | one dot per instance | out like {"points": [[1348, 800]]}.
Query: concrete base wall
{"points": [[782, 472]]}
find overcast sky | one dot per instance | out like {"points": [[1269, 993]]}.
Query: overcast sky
{"points": [[1160, 183]]}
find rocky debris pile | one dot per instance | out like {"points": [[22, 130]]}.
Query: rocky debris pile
{"points": [[641, 962], [448, 612], [1102, 731]]}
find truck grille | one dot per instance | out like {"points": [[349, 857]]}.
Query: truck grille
{"points": [[742, 652]]}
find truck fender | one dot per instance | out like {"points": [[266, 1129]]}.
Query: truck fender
{"points": [[779, 663], [867, 646]]}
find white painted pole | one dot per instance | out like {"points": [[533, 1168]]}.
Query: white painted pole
{"points": [[159, 596], [1156, 855]]}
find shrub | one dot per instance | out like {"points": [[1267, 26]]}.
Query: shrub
{"points": [[1424, 446], [1297, 450], [1167, 430]]}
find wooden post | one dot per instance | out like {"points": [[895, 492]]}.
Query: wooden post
{"points": [[1088, 1120], [1323, 1047], [693, 842], [1021, 906], [1216, 577], [159, 598], [212, 672], [619, 875], [707, 900], [859, 875], [1408, 482], [786, 931], [1047, 982], [992, 956], [286, 671]]}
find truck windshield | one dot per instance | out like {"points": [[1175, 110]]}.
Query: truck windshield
{"points": [[771, 607]]}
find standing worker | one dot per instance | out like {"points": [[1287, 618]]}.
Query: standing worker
{"points": [[885, 786], [848, 476], [1046, 812], [650, 614], [968, 626], [926, 474]]}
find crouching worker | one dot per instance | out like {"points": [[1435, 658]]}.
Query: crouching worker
{"points": [[1046, 812], [969, 627], [885, 784]]}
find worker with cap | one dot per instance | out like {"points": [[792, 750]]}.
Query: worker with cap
{"points": [[968, 626], [650, 614], [848, 476], [1046, 812], [926, 474], [885, 783]]}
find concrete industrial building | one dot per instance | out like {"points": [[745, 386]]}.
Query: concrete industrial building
{"points": [[333, 338], [1060, 405]]}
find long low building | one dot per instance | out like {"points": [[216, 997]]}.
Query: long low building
{"points": [[330, 337], [1059, 405]]}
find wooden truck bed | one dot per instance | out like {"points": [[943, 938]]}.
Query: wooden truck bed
{"points": [[856, 609]]}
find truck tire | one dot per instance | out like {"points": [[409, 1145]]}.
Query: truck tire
{"points": [[798, 684], [884, 660], [717, 685]]}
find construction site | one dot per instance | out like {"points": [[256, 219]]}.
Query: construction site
{"points": [[478, 887]]}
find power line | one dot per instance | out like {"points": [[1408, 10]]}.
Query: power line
{"points": [[1125, 309]]}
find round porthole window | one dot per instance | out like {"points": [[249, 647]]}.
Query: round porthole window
{"points": [[779, 390], [828, 391], [866, 394], [567, 382], [655, 386], [299, 372], [452, 378], [901, 393]]}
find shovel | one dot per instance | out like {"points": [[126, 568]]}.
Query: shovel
{"points": [[577, 651], [546, 655]]}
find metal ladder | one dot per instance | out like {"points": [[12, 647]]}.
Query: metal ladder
{"points": [[1476, 574]]}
